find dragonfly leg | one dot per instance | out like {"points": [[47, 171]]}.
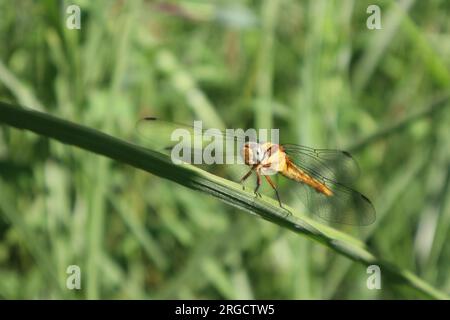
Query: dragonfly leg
{"points": [[274, 188], [258, 184], [246, 177]]}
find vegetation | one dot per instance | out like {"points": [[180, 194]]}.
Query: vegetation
{"points": [[311, 68]]}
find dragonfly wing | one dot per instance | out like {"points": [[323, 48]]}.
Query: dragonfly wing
{"points": [[192, 143], [335, 169], [335, 165], [345, 206]]}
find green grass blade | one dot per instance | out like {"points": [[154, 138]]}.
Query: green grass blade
{"points": [[199, 180]]}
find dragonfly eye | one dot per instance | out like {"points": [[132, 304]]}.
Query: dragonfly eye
{"points": [[255, 153]]}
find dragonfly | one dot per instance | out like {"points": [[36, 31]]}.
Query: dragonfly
{"points": [[323, 178]]}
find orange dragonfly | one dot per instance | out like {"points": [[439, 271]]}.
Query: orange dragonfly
{"points": [[323, 176]]}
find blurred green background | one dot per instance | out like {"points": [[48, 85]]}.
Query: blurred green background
{"points": [[311, 68]]}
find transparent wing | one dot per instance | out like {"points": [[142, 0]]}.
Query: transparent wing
{"points": [[194, 144], [335, 165], [334, 169], [345, 206]]}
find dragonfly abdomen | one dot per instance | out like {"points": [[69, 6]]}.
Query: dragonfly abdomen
{"points": [[293, 172]]}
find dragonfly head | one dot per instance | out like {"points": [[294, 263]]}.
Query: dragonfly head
{"points": [[268, 157], [253, 153], [256, 153]]}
